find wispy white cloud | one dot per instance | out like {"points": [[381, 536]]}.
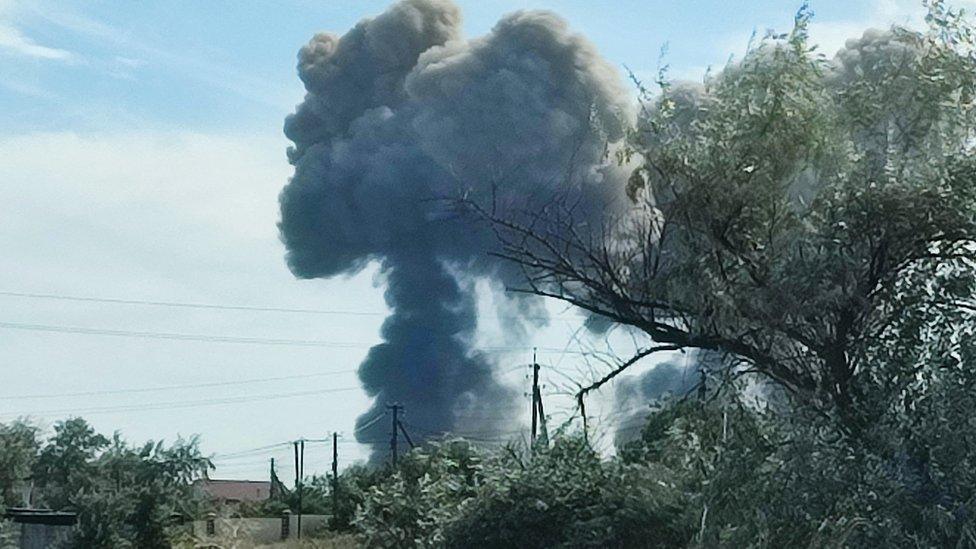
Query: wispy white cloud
{"points": [[12, 40], [129, 62], [24, 88], [211, 73]]}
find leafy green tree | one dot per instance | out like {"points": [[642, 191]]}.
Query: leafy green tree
{"points": [[135, 493], [354, 486], [19, 447], [813, 221], [316, 494], [124, 496], [411, 505], [808, 218], [66, 465], [452, 494], [567, 496], [764, 477]]}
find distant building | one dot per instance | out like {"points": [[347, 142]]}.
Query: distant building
{"points": [[233, 491], [40, 528]]}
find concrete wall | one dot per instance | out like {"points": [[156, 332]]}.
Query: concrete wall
{"points": [[42, 536], [259, 530]]}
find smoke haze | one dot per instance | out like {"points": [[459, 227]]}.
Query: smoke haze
{"points": [[401, 111]]}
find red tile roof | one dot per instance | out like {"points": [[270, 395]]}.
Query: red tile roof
{"points": [[235, 490]]}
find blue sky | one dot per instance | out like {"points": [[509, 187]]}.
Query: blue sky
{"points": [[229, 66], [141, 155]]}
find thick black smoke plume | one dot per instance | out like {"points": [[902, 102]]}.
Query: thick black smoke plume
{"points": [[401, 111]]}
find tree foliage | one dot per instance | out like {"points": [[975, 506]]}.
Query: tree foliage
{"points": [[809, 218], [18, 454], [124, 496], [454, 495], [813, 221]]}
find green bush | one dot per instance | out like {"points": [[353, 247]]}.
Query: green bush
{"points": [[411, 506], [567, 496], [453, 495]]}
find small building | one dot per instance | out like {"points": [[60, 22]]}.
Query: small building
{"points": [[231, 492], [40, 528]]}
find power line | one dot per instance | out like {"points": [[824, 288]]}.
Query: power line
{"points": [[375, 419], [178, 336], [461, 433], [249, 458], [231, 339], [252, 461], [226, 307], [231, 458], [488, 436], [369, 423], [180, 404], [251, 450], [172, 387], [181, 305]]}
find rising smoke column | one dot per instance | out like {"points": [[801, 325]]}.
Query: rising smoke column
{"points": [[401, 111]]}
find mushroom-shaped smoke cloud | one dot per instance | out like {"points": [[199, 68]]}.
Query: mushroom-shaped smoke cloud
{"points": [[401, 111]]}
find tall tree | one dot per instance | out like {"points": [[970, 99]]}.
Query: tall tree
{"points": [[19, 446], [125, 496], [66, 465], [809, 218]]}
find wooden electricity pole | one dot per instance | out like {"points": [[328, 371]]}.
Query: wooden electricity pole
{"points": [[393, 433], [299, 475], [542, 415], [335, 474], [406, 435], [538, 412], [296, 465], [272, 478], [535, 396], [581, 399]]}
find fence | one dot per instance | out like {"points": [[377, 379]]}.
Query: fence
{"points": [[257, 530]]}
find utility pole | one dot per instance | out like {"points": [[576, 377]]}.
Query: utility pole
{"points": [[535, 396], [299, 475], [542, 416], [272, 479], [393, 433], [335, 474], [538, 413], [581, 399], [301, 489], [296, 465], [406, 435]]}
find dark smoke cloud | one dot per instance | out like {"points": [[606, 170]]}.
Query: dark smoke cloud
{"points": [[401, 111], [679, 378], [674, 377]]}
